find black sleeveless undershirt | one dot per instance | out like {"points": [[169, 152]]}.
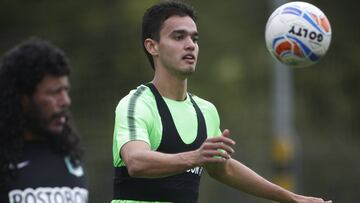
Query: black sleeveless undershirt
{"points": [[181, 188]]}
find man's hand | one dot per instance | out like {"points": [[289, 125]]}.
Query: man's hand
{"points": [[216, 149], [305, 199]]}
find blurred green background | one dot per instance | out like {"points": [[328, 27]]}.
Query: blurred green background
{"points": [[102, 41]]}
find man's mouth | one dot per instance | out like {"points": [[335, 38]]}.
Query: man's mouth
{"points": [[60, 118], [190, 58]]}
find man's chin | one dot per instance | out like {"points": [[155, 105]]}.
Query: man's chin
{"points": [[188, 71], [56, 130]]}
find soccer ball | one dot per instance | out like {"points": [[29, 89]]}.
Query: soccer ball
{"points": [[298, 34]]}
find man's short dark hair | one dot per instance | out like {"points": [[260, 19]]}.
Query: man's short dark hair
{"points": [[156, 15]]}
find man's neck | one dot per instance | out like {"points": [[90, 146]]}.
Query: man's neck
{"points": [[171, 87]]}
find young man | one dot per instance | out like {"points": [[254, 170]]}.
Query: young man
{"points": [[39, 150], [165, 136]]}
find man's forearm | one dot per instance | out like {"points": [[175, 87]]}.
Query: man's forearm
{"points": [[152, 164], [239, 176]]}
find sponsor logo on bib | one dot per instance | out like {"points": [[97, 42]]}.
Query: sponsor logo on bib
{"points": [[77, 171], [49, 195]]}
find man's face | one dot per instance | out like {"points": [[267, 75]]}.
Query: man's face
{"points": [[178, 45], [46, 109]]}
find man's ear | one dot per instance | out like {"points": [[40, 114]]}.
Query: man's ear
{"points": [[151, 46]]}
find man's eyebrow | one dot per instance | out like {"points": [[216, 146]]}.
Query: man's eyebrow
{"points": [[182, 31]]}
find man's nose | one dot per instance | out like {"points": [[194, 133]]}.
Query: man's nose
{"points": [[190, 44], [65, 100]]}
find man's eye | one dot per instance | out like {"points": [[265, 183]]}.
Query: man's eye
{"points": [[58, 91], [178, 37]]}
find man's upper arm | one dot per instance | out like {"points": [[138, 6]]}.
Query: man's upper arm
{"points": [[132, 147], [131, 124]]}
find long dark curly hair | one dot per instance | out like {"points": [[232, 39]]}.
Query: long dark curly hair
{"points": [[22, 68]]}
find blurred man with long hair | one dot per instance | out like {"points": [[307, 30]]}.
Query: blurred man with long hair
{"points": [[40, 153]]}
